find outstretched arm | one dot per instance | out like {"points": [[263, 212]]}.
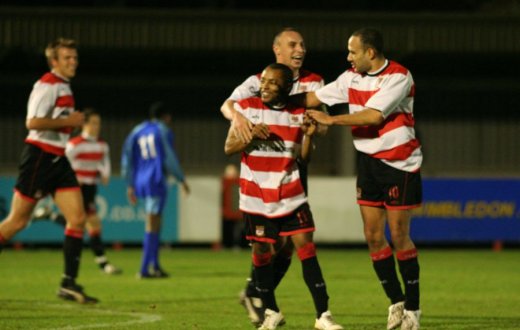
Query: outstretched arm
{"points": [[365, 117]]}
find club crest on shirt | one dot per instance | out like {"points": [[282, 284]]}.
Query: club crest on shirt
{"points": [[260, 231], [295, 119]]}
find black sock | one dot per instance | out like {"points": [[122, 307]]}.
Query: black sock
{"points": [[409, 269], [316, 284], [72, 252], [281, 264], [251, 290], [264, 281], [385, 270], [59, 219], [98, 249]]}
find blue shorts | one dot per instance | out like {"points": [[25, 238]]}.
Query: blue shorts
{"points": [[154, 204]]}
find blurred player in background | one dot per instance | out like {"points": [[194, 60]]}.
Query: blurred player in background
{"points": [[44, 169], [272, 196], [89, 157], [289, 49], [380, 94], [148, 159]]}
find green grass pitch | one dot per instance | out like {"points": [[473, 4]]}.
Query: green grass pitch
{"points": [[460, 289]]}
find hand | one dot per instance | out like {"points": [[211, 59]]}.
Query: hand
{"points": [[104, 180], [75, 119], [309, 125], [261, 131], [320, 117], [130, 193], [242, 127], [186, 188]]}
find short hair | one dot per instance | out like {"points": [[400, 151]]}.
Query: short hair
{"points": [[89, 112], [157, 110], [287, 73], [51, 51], [285, 29], [372, 38]]}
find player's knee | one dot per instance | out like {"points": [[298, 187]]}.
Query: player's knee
{"points": [[374, 238], [77, 219], [306, 251], [400, 239]]}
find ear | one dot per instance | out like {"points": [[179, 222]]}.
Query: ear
{"points": [[371, 53], [276, 50]]}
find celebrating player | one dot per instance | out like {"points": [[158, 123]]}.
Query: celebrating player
{"points": [[272, 196], [380, 94], [289, 49], [44, 169], [148, 158]]}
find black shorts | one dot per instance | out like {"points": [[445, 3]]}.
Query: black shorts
{"points": [[262, 229], [89, 192], [381, 185], [42, 173]]}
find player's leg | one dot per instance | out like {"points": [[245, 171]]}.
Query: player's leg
{"points": [[300, 227], [374, 219], [96, 244], [281, 261], [93, 225], [263, 233], [284, 249], [399, 223], [18, 217], [70, 203]]}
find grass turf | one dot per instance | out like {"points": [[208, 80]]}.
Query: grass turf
{"points": [[460, 289]]}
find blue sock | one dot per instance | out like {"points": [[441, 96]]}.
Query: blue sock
{"points": [[155, 250], [147, 252]]}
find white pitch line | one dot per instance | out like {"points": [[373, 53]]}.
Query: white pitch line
{"points": [[142, 318]]}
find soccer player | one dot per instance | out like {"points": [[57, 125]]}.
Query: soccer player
{"points": [[90, 159], [148, 158], [44, 169], [272, 196], [289, 49], [380, 94]]}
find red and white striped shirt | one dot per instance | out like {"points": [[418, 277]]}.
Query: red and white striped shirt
{"points": [[89, 158], [305, 82], [270, 182], [51, 97], [390, 90]]}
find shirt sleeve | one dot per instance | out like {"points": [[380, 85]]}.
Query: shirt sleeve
{"points": [[392, 90], [41, 101], [127, 166], [335, 92], [172, 164], [105, 167], [250, 87]]}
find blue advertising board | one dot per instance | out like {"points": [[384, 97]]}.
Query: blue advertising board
{"points": [[121, 221], [468, 210]]}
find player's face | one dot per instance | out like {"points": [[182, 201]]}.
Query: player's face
{"points": [[66, 62], [358, 55], [272, 86], [93, 126], [290, 50]]}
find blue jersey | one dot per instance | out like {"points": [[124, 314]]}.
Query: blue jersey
{"points": [[148, 158]]}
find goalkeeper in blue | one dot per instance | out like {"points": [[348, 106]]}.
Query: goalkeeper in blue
{"points": [[148, 159]]}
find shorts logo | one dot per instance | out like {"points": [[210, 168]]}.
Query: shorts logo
{"points": [[38, 194], [393, 192], [260, 231], [358, 193]]}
